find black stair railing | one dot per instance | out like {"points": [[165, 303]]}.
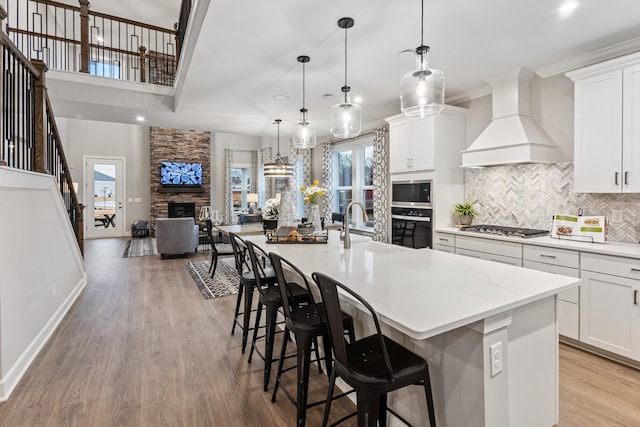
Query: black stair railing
{"points": [[29, 136]]}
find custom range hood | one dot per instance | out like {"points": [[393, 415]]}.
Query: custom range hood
{"points": [[512, 136]]}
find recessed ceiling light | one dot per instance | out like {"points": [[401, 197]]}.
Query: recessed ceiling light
{"points": [[140, 118], [568, 7], [280, 98], [357, 99]]}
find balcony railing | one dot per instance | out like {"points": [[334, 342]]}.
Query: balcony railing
{"points": [[74, 38]]}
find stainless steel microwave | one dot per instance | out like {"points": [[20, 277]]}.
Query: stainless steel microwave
{"points": [[411, 193]]}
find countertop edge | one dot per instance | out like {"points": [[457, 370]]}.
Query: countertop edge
{"points": [[627, 250]]}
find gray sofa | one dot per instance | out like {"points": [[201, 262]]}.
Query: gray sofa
{"points": [[176, 236]]}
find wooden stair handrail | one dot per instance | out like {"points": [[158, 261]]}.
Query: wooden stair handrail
{"points": [[6, 41], [77, 206]]}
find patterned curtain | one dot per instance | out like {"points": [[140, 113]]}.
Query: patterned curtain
{"points": [[327, 178], [264, 184], [381, 184], [253, 186], [226, 212], [307, 179]]}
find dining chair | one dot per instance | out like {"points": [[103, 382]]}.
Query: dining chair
{"points": [[373, 366], [218, 250]]}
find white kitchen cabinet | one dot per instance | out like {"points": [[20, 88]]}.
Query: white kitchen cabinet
{"points": [[567, 263], [412, 144], [607, 127], [444, 242], [610, 304]]}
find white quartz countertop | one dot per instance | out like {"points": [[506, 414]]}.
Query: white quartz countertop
{"points": [[422, 292], [629, 250]]}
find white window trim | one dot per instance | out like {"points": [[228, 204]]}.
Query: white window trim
{"points": [[357, 188]]}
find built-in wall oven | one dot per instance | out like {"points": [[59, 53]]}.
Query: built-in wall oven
{"points": [[411, 214], [411, 227]]}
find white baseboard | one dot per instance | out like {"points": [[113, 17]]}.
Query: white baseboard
{"points": [[17, 371]]}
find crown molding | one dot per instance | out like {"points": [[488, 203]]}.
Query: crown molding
{"points": [[600, 55], [605, 54]]}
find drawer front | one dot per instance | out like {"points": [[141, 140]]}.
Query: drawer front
{"points": [[509, 249], [444, 239], [504, 259], [554, 256], [444, 248], [572, 295], [473, 254], [615, 266]]}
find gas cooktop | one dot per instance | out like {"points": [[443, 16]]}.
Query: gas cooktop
{"points": [[499, 230]]}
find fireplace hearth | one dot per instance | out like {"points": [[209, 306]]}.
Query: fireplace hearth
{"points": [[181, 210]]}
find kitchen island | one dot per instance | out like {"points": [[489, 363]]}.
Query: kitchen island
{"points": [[457, 312]]}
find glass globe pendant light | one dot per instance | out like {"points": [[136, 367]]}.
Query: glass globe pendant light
{"points": [[346, 118], [278, 168], [422, 90], [303, 134]]}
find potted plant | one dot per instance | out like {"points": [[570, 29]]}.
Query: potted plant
{"points": [[465, 212]]}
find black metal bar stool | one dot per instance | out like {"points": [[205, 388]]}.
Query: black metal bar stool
{"points": [[307, 322], [247, 286], [269, 298], [373, 366]]}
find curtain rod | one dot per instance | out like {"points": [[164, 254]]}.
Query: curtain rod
{"points": [[362, 135]]}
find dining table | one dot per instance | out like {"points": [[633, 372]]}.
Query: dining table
{"points": [[489, 331]]}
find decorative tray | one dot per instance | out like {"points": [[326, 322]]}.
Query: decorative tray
{"points": [[295, 235]]}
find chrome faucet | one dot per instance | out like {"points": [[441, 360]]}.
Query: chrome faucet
{"points": [[344, 235]]}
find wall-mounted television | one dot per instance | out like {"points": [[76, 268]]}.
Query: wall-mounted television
{"points": [[181, 174]]}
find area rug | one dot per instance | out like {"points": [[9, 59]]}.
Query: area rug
{"points": [[225, 282], [146, 247], [140, 247]]}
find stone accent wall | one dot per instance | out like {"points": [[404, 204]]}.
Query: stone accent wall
{"points": [[178, 145]]}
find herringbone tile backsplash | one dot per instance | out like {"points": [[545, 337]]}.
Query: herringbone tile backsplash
{"points": [[529, 195]]}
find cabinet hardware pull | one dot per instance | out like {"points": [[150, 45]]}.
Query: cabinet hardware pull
{"points": [[443, 239], [635, 269], [617, 173], [626, 178], [548, 256], [635, 297]]}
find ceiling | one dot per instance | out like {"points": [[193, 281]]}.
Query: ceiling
{"points": [[246, 52]]}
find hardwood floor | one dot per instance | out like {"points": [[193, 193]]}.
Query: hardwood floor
{"points": [[141, 347]]}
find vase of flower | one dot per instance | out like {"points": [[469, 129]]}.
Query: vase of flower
{"points": [[312, 196], [314, 217]]}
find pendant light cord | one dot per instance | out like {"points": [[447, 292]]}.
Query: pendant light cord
{"points": [[304, 108], [345, 66], [422, 25]]}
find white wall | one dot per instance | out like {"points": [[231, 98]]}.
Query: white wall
{"points": [[91, 138], [241, 145], [42, 269]]}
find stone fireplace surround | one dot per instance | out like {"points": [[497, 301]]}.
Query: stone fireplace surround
{"points": [[178, 145]]}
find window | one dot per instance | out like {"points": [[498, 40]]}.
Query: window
{"points": [[240, 186], [105, 70], [354, 180]]}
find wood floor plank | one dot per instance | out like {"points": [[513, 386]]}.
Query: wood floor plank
{"points": [[141, 347]]}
